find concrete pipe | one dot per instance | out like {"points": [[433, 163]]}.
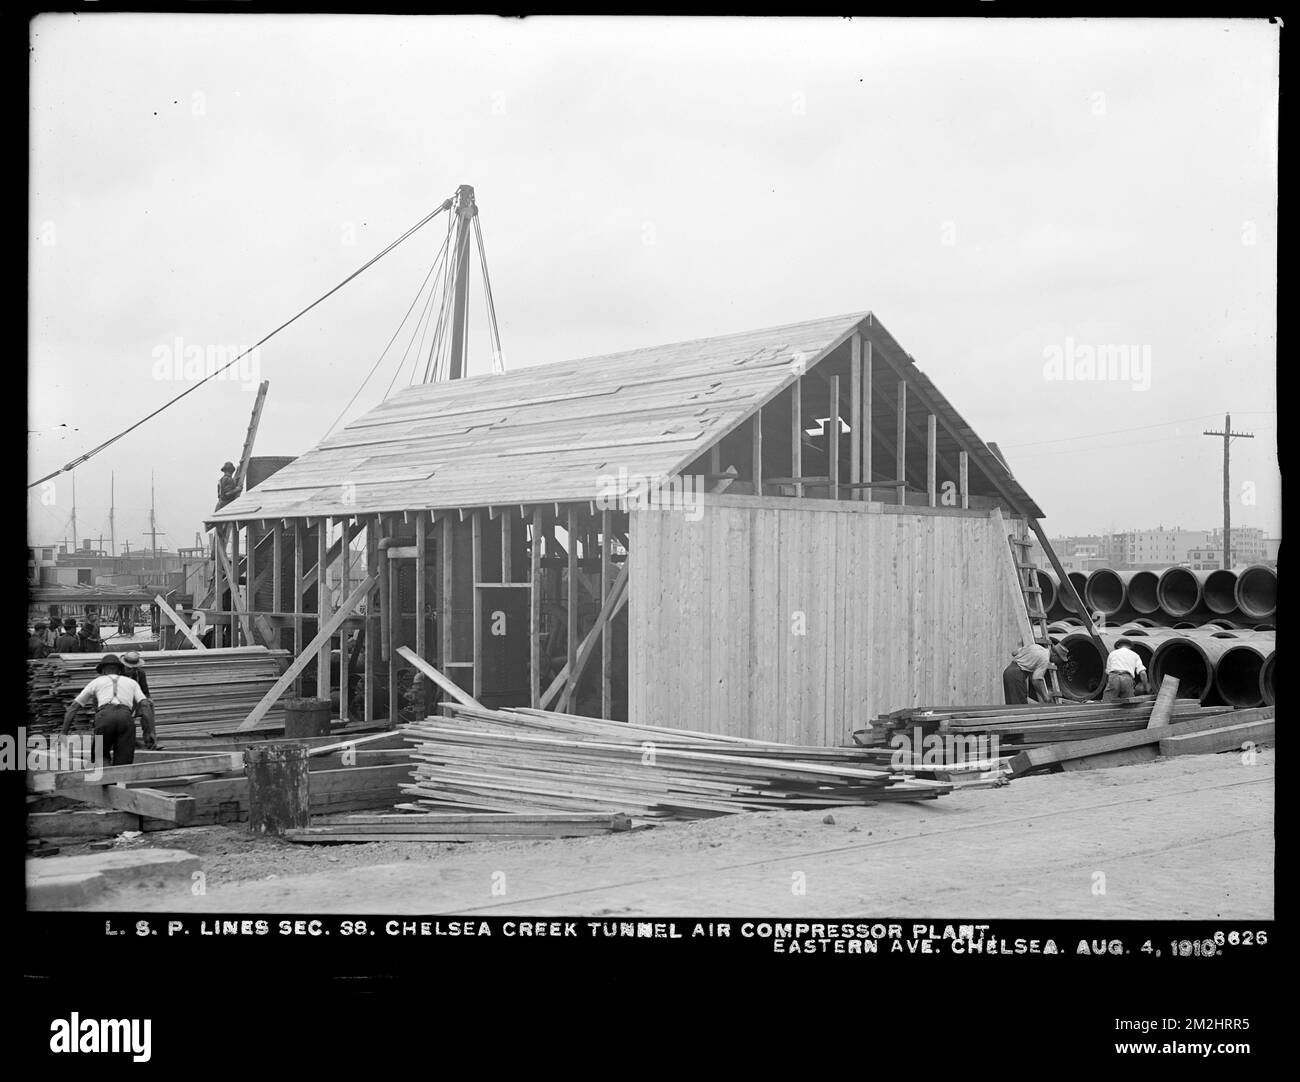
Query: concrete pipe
{"points": [[1265, 627], [1193, 659], [1181, 591], [1256, 592], [1237, 676], [1082, 675], [1227, 625], [1060, 627], [1107, 590], [1142, 592], [1080, 581], [1143, 621], [1184, 625], [1046, 582], [1266, 679], [1220, 591]]}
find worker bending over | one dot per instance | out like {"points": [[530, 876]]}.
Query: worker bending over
{"points": [[1125, 673], [1028, 669], [115, 696]]}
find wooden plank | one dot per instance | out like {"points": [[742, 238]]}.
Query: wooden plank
{"points": [[447, 646], [371, 674], [1166, 700], [300, 662], [963, 477], [298, 563], [833, 438], [756, 451], [176, 808], [1226, 738], [867, 396], [571, 605], [476, 561], [322, 613], [48, 781], [606, 632], [1051, 754], [931, 452], [180, 624], [70, 823], [421, 597], [236, 599], [900, 450], [449, 686], [614, 602], [277, 571], [796, 433], [535, 610], [218, 585]]}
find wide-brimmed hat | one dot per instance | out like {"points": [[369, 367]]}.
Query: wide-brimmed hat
{"points": [[106, 661], [69, 621], [133, 658]]}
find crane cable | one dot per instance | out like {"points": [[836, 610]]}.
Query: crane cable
{"points": [[498, 361], [170, 402]]}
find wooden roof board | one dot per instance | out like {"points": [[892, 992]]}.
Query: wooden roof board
{"points": [[549, 433]]}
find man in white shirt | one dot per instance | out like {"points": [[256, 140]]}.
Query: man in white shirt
{"points": [[1125, 673], [115, 697], [1028, 668]]}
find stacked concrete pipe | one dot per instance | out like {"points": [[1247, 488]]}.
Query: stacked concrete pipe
{"points": [[1046, 582], [1238, 677], [1080, 581], [1106, 590], [1195, 660], [1266, 680], [1142, 592], [1181, 591], [1220, 591], [1256, 591]]}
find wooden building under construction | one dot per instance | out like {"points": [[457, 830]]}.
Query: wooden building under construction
{"points": [[777, 534]]}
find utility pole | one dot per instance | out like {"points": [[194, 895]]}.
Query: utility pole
{"points": [[465, 211], [1228, 435]]}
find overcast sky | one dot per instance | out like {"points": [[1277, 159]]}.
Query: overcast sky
{"points": [[999, 193]]}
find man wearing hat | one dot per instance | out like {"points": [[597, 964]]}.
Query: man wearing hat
{"points": [[227, 488], [134, 665], [115, 697], [36, 645], [67, 641]]}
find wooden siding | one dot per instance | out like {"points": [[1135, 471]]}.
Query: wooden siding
{"points": [[896, 609]]}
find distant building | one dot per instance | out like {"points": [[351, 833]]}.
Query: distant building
{"points": [[1271, 545], [1247, 545]]}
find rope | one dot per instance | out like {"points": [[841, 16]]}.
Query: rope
{"points": [[498, 360], [190, 390]]}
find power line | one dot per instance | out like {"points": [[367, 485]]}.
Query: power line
{"points": [[212, 375]]}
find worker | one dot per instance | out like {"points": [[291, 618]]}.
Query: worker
{"points": [[48, 630], [115, 697], [68, 642], [227, 488], [134, 665], [1027, 671], [1125, 673], [36, 647]]}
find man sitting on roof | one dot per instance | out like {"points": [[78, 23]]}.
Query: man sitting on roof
{"points": [[227, 488]]}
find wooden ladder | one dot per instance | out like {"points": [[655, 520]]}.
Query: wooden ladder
{"points": [[1026, 576]]}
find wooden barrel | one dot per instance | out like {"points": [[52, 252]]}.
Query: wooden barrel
{"points": [[278, 790], [306, 717]]}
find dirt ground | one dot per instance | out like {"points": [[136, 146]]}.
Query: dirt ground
{"points": [[1188, 837]]}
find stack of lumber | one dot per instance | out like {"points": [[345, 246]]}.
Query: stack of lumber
{"points": [[1019, 727], [195, 692], [534, 761], [463, 827]]}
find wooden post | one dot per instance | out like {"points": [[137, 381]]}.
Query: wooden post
{"points": [[277, 573], [606, 632], [931, 450], [855, 415], [796, 434], [392, 621], [444, 623], [833, 436], [279, 794], [323, 608], [900, 463], [476, 560], [244, 625], [535, 612], [963, 477], [756, 451], [217, 588], [571, 603], [507, 545], [298, 562], [866, 418], [372, 620], [250, 579], [421, 569]]}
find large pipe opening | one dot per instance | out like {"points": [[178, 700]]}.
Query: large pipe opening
{"points": [[1186, 660], [1179, 592], [1047, 584], [1237, 676], [1080, 581], [1105, 591], [1256, 593], [1142, 595], [1220, 591]]}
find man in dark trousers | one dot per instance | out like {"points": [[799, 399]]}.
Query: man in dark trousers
{"points": [[36, 647], [134, 664], [227, 488], [68, 642], [115, 697]]}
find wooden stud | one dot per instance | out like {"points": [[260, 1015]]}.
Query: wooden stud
{"points": [[250, 567], [244, 626], [371, 673], [833, 436], [507, 545], [217, 576], [963, 461], [535, 612], [715, 459], [277, 573], [421, 571], [476, 559], [756, 451], [900, 453], [297, 596], [444, 621], [855, 414], [931, 451], [606, 632], [322, 607], [866, 414], [796, 433], [393, 622], [571, 604]]}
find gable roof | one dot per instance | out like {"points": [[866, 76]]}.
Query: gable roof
{"points": [[546, 434]]}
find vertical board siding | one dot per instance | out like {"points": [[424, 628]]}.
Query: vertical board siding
{"points": [[897, 610]]}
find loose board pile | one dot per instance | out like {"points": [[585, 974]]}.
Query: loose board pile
{"points": [[195, 692], [533, 761]]}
